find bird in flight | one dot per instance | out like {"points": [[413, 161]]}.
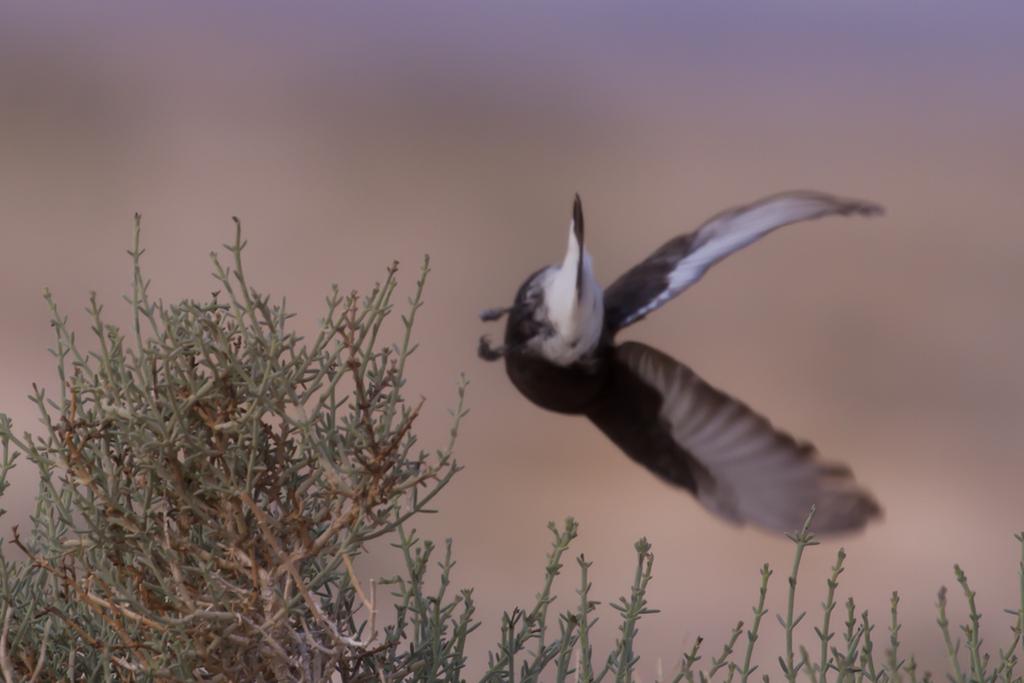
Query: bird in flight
{"points": [[560, 352]]}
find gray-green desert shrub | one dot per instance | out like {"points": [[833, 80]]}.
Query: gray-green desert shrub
{"points": [[209, 480]]}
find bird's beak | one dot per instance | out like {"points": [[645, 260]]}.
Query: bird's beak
{"points": [[576, 243]]}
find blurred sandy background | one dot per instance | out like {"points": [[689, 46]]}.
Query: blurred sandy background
{"points": [[346, 135]]}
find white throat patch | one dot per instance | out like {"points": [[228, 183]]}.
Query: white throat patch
{"points": [[577, 321]]}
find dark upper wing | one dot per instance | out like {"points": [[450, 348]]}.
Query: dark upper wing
{"points": [[683, 260], [737, 465]]}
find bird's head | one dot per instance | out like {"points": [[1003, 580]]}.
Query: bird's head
{"points": [[558, 312]]}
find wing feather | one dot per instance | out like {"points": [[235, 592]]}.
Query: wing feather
{"points": [[683, 260], [736, 463]]}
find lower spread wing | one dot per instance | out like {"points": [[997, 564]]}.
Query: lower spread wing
{"points": [[682, 261], [737, 465]]}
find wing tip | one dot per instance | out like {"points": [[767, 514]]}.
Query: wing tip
{"points": [[843, 206], [861, 207], [845, 511]]}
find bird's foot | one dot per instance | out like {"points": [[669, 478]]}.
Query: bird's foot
{"points": [[488, 352], [492, 314]]}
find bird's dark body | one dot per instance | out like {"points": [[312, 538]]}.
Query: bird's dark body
{"points": [[563, 389], [571, 389]]}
